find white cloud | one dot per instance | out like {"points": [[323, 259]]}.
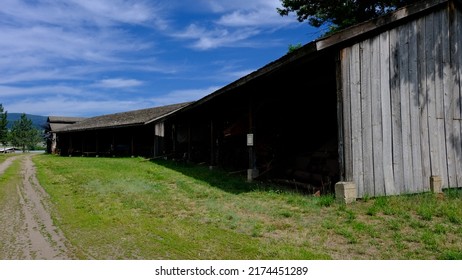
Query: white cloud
{"points": [[186, 95], [255, 13], [226, 6], [235, 24], [117, 10], [50, 90], [96, 104], [82, 12], [219, 37], [263, 17], [66, 106], [57, 40], [118, 83]]}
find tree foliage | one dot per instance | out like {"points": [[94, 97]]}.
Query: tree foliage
{"points": [[3, 126], [293, 48], [338, 14], [23, 133]]}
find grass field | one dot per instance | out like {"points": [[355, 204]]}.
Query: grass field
{"points": [[131, 208]]}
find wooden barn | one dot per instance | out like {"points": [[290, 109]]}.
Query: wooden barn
{"points": [[55, 123], [134, 133], [378, 104]]}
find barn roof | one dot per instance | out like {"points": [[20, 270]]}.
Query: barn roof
{"points": [[131, 118], [59, 122], [60, 119]]}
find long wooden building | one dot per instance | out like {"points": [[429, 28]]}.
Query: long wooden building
{"points": [[378, 104], [134, 133], [55, 123]]}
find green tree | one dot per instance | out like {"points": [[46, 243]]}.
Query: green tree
{"points": [[23, 134], [339, 14], [3, 126], [293, 48]]}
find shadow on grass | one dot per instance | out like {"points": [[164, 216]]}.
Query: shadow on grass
{"points": [[235, 183]]}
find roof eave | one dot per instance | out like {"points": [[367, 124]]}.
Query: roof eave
{"points": [[376, 25]]}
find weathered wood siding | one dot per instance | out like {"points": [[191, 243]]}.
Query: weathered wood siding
{"points": [[402, 106]]}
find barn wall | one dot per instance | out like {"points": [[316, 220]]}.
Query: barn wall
{"points": [[401, 101]]}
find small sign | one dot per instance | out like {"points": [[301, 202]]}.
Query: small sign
{"points": [[250, 139]]}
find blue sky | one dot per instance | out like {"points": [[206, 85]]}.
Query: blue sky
{"points": [[95, 57]]}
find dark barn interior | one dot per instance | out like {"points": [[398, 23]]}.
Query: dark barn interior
{"points": [[124, 141], [291, 112]]}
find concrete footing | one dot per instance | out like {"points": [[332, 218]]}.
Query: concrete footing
{"points": [[436, 184], [345, 192]]}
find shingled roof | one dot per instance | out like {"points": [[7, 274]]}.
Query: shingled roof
{"points": [[131, 118], [59, 122]]}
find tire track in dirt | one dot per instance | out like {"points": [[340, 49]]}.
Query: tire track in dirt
{"points": [[29, 232], [4, 165]]}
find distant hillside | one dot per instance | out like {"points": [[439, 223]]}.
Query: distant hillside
{"points": [[38, 121]]}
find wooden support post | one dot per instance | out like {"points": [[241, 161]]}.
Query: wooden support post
{"points": [[173, 139], [132, 146], [82, 144], [189, 142], [341, 156], [252, 172], [212, 145], [97, 144], [69, 149]]}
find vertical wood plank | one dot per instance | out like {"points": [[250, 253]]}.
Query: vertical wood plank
{"points": [[376, 97], [423, 103], [414, 109], [430, 54], [356, 122], [439, 96], [458, 109], [458, 63], [448, 98], [398, 168], [346, 88], [366, 116], [387, 134], [340, 128], [403, 37], [457, 125]]}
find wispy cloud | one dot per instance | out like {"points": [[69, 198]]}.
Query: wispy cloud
{"points": [[44, 34], [205, 39], [236, 24], [186, 95], [82, 12], [118, 83], [68, 106], [259, 13], [50, 90]]}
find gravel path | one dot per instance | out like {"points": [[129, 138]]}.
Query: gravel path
{"points": [[27, 231]]}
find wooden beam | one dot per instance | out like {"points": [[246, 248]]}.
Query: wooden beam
{"points": [[340, 140], [377, 25], [212, 144]]}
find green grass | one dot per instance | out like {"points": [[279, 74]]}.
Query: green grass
{"points": [[9, 203], [131, 208], [9, 179], [3, 156]]}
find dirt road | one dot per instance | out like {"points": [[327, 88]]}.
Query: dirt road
{"points": [[27, 231]]}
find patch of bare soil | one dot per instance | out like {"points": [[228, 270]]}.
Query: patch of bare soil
{"points": [[27, 230]]}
